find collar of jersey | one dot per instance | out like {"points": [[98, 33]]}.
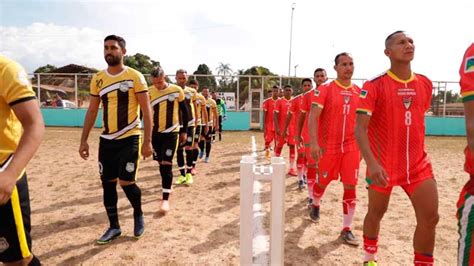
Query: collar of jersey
{"points": [[116, 75], [393, 76], [342, 86]]}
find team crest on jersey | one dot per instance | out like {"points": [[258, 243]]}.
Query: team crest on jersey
{"points": [[407, 102], [325, 174], [130, 167], [171, 97], [168, 152], [469, 65], [98, 83], [3, 245], [316, 93], [363, 94], [123, 87], [190, 139], [346, 99], [188, 96]]}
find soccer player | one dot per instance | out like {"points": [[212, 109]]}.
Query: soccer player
{"points": [[282, 106], [302, 131], [167, 102], [331, 123], [201, 123], [291, 118], [213, 125], [123, 92], [190, 96], [466, 199], [268, 107], [21, 132], [390, 132], [222, 113]]}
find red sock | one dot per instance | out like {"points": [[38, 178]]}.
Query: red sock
{"points": [[278, 151], [423, 259], [348, 207], [318, 193], [267, 145], [370, 248], [292, 156], [311, 180], [300, 167]]}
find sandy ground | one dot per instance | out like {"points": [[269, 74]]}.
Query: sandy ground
{"points": [[203, 224]]}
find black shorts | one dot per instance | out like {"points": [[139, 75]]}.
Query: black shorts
{"points": [[15, 227], [189, 138], [119, 158], [165, 145], [197, 133]]}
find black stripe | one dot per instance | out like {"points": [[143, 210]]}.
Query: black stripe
{"points": [[6, 160], [105, 107], [141, 92], [122, 109], [169, 113], [29, 98], [156, 118], [120, 81]]}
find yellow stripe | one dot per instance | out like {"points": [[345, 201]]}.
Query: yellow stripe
{"points": [[342, 86], [393, 76], [20, 229], [318, 105], [467, 93]]}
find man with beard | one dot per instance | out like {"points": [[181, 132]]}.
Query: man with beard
{"points": [[123, 92]]}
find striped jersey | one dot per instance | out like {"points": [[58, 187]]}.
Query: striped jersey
{"points": [[165, 105]]}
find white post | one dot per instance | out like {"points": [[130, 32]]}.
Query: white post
{"points": [[277, 228], [246, 210], [75, 91]]}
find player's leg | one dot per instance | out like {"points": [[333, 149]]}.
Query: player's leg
{"points": [[349, 171], [379, 198], [327, 166], [279, 142], [220, 128], [180, 161], [465, 215], [128, 171], [424, 198], [311, 174], [300, 167], [209, 143], [291, 145], [189, 155], [169, 145], [268, 137], [197, 136]]}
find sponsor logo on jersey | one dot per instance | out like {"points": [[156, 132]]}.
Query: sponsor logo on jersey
{"points": [[123, 87], [469, 67], [130, 167], [407, 101], [363, 94]]}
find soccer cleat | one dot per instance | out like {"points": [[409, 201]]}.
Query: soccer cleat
{"points": [[165, 206], [109, 235], [189, 179], [301, 184], [349, 238], [314, 213], [309, 202], [201, 154], [370, 263], [292, 172], [138, 226], [206, 160], [181, 180], [193, 171]]}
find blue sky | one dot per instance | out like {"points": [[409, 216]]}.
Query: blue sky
{"points": [[184, 34]]}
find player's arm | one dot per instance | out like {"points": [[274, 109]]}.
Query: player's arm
{"points": [[205, 118], [378, 176], [184, 116], [30, 117], [216, 118], [289, 115], [276, 123], [195, 111], [313, 124], [89, 121], [299, 125], [144, 102], [265, 112]]}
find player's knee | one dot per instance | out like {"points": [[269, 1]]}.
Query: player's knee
{"points": [[428, 219], [376, 212], [124, 183]]}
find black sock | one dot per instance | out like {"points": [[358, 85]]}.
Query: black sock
{"points": [[166, 180], [189, 161], [220, 136], [201, 145], [110, 202], [195, 156], [34, 262], [208, 148], [180, 160], [134, 195]]}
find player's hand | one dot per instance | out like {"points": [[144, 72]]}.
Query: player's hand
{"points": [[378, 176], [316, 151], [84, 150], [7, 184], [147, 149], [182, 138], [299, 142]]}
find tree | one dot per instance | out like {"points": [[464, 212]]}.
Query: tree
{"points": [[45, 69], [141, 62], [257, 75], [209, 81]]}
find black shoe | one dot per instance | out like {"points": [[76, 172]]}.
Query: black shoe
{"points": [[314, 213], [301, 184], [349, 238], [139, 226], [109, 235], [309, 202]]}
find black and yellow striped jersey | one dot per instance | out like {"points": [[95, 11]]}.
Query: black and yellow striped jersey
{"points": [[190, 95], [201, 119], [210, 107], [14, 88], [120, 106], [165, 105]]}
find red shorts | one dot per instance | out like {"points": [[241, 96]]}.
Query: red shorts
{"points": [[309, 159], [269, 136], [409, 188], [343, 165], [280, 141]]}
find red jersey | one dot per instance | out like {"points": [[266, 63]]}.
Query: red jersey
{"points": [[269, 106], [337, 120], [295, 110], [282, 106], [397, 125], [466, 71]]}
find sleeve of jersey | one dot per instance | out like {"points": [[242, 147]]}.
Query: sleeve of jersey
{"points": [[466, 72], [16, 87], [140, 84], [277, 107], [264, 106], [367, 99], [305, 103], [93, 87], [319, 97], [293, 107]]}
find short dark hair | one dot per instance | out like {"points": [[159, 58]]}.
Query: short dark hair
{"points": [[306, 80], [157, 72], [204, 88], [288, 86], [319, 69], [120, 40], [275, 87], [389, 37], [336, 59], [193, 82]]}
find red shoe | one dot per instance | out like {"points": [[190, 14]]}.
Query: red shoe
{"points": [[193, 171], [292, 172]]}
